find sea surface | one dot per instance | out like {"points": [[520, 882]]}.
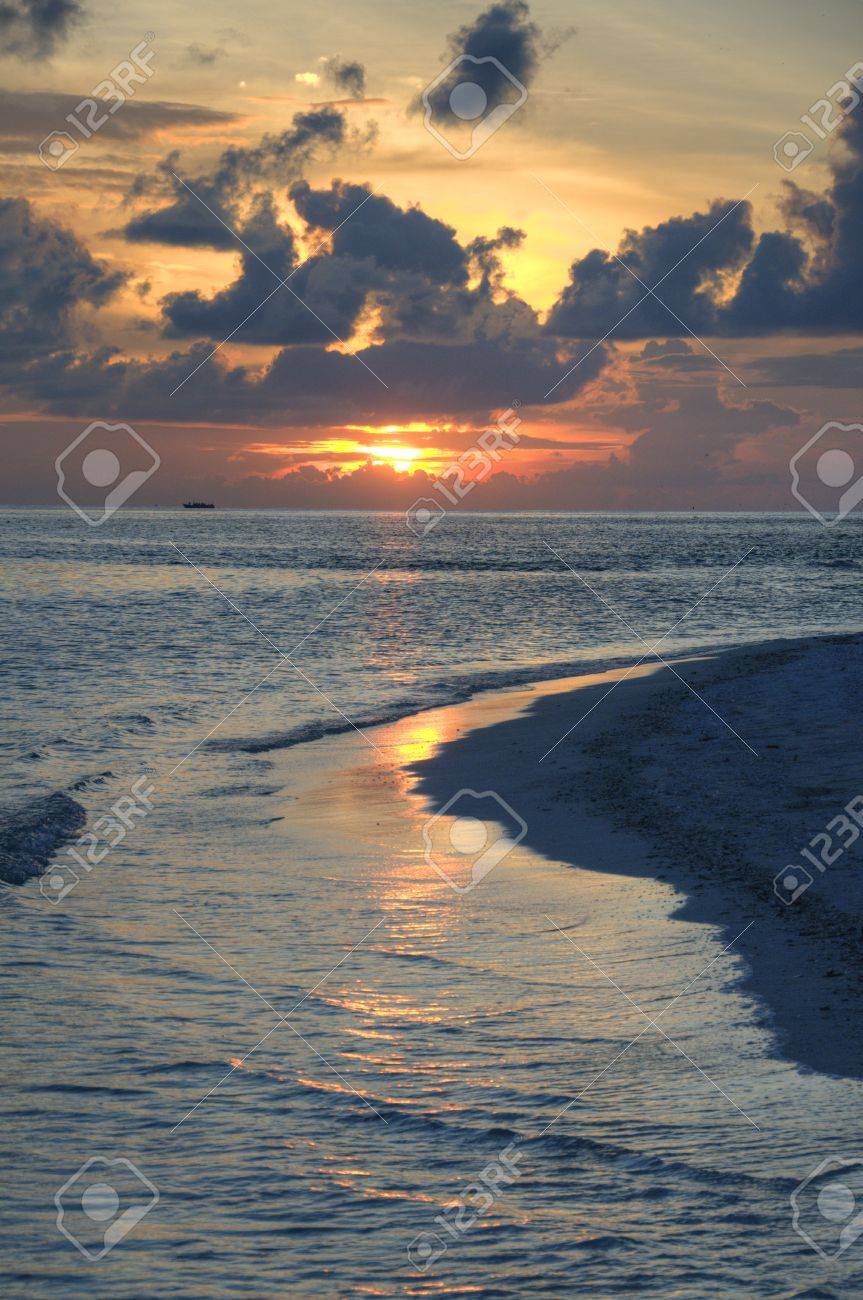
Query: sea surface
{"points": [[270, 677]]}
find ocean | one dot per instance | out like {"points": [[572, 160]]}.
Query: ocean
{"points": [[267, 679]]}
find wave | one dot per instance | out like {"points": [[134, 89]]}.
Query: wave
{"points": [[31, 833], [456, 690], [563, 1148], [87, 782]]}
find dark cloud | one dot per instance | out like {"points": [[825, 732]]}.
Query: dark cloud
{"points": [[28, 116], [604, 294], [807, 278], [32, 29], [320, 301], [485, 253], [505, 33], [308, 385], [347, 75], [204, 56], [367, 225], [186, 221], [840, 369], [406, 265], [45, 273], [409, 266], [811, 212]]}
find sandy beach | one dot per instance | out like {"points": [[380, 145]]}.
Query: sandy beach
{"points": [[714, 790], [584, 1002], [268, 997]]}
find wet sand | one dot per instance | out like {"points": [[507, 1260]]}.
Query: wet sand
{"points": [[713, 796]]}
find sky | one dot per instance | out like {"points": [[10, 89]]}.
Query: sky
{"points": [[309, 255]]}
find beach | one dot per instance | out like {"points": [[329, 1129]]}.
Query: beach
{"points": [[724, 768], [268, 996], [428, 1030]]}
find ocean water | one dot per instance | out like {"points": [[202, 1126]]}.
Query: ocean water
{"points": [[121, 652], [270, 676]]}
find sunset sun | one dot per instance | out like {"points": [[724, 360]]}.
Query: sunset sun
{"points": [[400, 458]]}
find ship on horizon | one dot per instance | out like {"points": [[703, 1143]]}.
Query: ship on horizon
{"points": [[198, 505]]}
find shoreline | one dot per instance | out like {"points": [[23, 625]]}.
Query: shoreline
{"points": [[652, 783]]}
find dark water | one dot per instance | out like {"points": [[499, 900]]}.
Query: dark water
{"points": [[427, 1032], [119, 646]]}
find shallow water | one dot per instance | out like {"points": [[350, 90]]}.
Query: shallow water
{"points": [[427, 1031], [122, 653]]}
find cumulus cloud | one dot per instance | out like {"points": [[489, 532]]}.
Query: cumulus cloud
{"points": [[204, 209], [407, 266], [45, 273], [345, 74], [367, 225], [438, 324], [505, 33], [32, 29], [719, 278], [609, 292], [452, 340], [320, 301]]}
